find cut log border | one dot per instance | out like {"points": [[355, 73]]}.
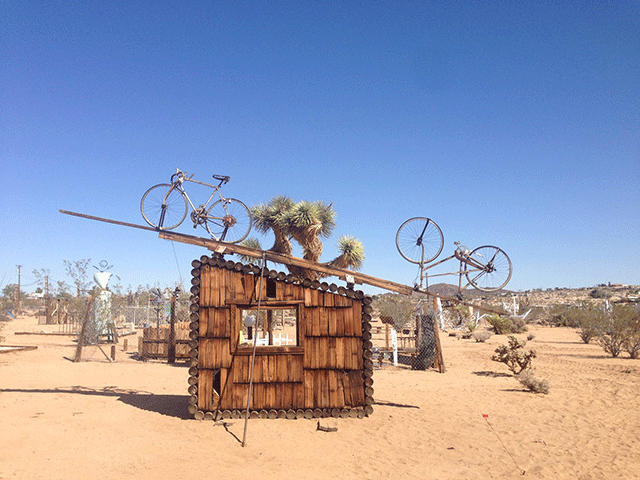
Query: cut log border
{"points": [[218, 260]]}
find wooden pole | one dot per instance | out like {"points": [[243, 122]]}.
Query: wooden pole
{"points": [[439, 357], [253, 356], [386, 336], [83, 330], [171, 354]]}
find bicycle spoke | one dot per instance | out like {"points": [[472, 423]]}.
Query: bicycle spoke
{"points": [[419, 240], [228, 220], [494, 274], [163, 207]]}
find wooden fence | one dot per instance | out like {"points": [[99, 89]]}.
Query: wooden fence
{"points": [[154, 343]]}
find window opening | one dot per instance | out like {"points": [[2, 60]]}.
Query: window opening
{"points": [[271, 288], [276, 327]]}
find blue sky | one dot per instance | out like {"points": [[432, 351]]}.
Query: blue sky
{"points": [[509, 124]]}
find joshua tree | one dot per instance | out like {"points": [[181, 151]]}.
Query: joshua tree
{"points": [[305, 222]]}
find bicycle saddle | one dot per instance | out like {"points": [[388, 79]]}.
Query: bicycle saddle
{"points": [[222, 178]]}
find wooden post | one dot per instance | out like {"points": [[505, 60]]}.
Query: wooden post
{"points": [[386, 334], [113, 353], [83, 330], [439, 363], [270, 326], [47, 301], [171, 353], [125, 344]]}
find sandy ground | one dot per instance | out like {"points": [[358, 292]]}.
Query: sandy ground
{"points": [[128, 419]]}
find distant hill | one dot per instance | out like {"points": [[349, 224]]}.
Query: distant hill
{"points": [[448, 290]]}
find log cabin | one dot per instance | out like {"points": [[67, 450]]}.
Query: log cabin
{"points": [[303, 346]]}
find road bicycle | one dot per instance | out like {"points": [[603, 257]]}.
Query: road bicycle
{"points": [[420, 240], [165, 206]]}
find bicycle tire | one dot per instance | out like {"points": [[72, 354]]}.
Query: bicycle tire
{"points": [[497, 269], [169, 217], [228, 220], [419, 240]]}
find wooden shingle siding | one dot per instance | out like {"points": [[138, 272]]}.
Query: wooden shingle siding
{"points": [[325, 373]]}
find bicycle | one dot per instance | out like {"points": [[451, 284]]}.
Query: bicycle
{"points": [[165, 206], [487, 268]]}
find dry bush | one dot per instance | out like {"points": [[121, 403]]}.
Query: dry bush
{"points": [[514, 356], [481, 336], [631, 342], [533, 383], [590, 320], [620, 331]]}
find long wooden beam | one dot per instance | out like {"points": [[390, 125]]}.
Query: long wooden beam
{"points": [[342, 273], [115, 222]]}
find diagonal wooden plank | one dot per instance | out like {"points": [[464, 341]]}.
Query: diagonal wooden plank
{"points": [[342, 273]]}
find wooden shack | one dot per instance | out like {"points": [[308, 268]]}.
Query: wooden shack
{"points": [[312, 344]]}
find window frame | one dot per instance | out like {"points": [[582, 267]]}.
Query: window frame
{"points": [[239, 305]]}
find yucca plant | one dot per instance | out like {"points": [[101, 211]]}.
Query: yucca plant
{"points": [[305, 222]]}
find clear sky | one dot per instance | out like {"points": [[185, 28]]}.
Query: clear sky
{"points": [[514, 124]]}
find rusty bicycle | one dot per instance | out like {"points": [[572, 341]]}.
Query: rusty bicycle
{"points": [[419, 240], [165, 206]]}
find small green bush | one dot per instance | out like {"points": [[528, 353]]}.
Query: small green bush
{"points": [[532, 383], [514, 356], [503, 325], [563, 316], [471, 326]]}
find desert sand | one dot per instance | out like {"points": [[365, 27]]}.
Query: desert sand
{"points": [[129, 419]]}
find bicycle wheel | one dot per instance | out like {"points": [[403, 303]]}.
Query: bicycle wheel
{"points": [[163, 207], [228, 220], [495, 271], [419, 240]]}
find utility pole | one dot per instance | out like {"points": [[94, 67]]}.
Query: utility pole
{"points": [[18, 291], [47, 308]]}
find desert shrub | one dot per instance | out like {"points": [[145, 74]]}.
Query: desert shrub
{"points": [[590, 321], [503, 325], [514, 356], [481, 336], [600, 292], [631, 345], [563, 316], [398, 307], [620, 328], [630, 320], [460, 316], [533, 383]]}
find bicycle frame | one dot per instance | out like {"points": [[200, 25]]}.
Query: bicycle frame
{"points": [[177, 185], [465, 259]]}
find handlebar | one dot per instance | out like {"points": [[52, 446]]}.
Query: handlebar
{"points": [[180, 176]]}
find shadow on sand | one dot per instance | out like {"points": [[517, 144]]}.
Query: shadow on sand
{"points": [[170, 405]]}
